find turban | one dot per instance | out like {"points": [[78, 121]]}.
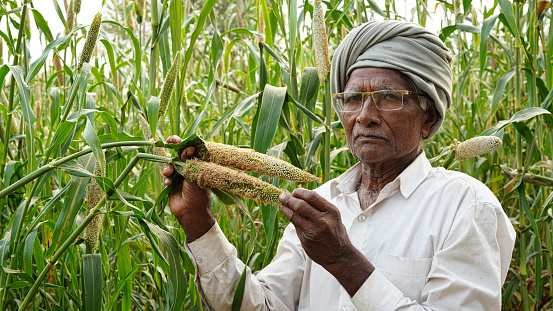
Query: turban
{"points": [[406, 47]]}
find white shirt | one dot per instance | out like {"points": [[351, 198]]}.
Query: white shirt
{"points": [[439, 240]]}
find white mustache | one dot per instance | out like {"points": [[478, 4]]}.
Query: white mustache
{"points": [[367, 131]]}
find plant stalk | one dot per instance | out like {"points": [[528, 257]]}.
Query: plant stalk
{"points": [[327, 111], [70, 240], [152, 72], [52, 165], [12, 88]]}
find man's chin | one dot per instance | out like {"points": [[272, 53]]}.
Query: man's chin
{"points": [[370, 156]]}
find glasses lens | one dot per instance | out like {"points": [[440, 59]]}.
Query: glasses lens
{"points": [[354, 101], [388, 100], [350, 101]]}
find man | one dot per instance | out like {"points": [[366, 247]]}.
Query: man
{"points": [[392, 233]]}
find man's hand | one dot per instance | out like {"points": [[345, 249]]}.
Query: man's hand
{"points": [[324, 237], [188, 202]]}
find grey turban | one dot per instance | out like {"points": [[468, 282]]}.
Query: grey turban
{"points": [[406, 47]]}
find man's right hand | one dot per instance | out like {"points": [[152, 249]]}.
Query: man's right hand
{"points": [[188, 202]]}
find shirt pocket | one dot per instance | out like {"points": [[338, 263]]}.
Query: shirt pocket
{"points": [[407, 274]]}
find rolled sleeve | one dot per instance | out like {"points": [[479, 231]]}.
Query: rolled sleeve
{"points": [[218, 271], [377, 293], [210, 250]]}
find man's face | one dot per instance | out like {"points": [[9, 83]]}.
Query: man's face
{"points": [[376, 136]]}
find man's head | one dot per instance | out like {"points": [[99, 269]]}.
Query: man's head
{"points": [[407, 48], [382, 115]]}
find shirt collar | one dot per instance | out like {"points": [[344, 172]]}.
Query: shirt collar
{"points": [[408, 180]]}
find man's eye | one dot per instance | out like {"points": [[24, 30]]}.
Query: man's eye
{"points": [[354, 98], [391, 95]]}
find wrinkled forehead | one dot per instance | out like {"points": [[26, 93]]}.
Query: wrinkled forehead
{"points": [[368, 79]]}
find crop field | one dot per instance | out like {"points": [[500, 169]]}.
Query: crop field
{"points": [[84, 220]]}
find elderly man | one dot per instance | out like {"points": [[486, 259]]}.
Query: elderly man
{"points": [[391, 233]]}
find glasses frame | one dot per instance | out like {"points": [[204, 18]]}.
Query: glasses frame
{"points": [[336, 96]]}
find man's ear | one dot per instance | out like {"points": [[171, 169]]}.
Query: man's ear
{"points": [[432, 116]]}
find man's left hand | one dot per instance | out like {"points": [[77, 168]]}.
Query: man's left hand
{"points": [[324, 237], [318, 224]]}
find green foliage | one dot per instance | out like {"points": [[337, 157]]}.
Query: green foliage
{"points": [[247, 79]]}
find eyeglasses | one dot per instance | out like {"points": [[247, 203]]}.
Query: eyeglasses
{"points": [[384, 100]]}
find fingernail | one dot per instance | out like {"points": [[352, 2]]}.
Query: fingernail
{"points": [[165, 166], [283, 196]]}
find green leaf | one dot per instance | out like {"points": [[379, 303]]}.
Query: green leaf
{"points": [[39, 62], [153, 113], [468, 28], [307, 112], [215, 56], [55, 106], [17, 219], [19, 273], [281, 61], [94, 143], [42, 24], [520, 116], [74, 168], [63, 133], [60, 14], [9, 171], [526, 208], [92, 282], [239, 293], [175, 22], [111, 58], [136, 46], [242, 31], [547, 101], [206, 9], [231, 113], [121, 283], [446, 32], [486, 28], [271, 105], [507, 10], [376, 9], [309, 85], [500, 89], [504, 47], [466, 6], [177, 279], [71, 205], [192, 140], [28, 115], [228, 198]]}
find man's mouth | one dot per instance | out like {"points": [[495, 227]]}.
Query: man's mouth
{"points": [[368, 138], [372, 135]]}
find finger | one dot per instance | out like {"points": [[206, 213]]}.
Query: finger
{"points": [[302, 211], [174, 139], [286, 211], [313, 199], [294, 218], [168, 169], [168, 181], [300, 206], [187, 153]]}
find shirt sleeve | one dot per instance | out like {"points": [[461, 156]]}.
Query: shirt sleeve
{"points": [[218, 270], [466, 274]]}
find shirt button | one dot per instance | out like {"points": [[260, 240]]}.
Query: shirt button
{"points": [[344, 308], [199, 259], [361, 218]]}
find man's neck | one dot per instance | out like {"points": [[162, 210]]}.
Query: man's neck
{"points": [[375, 176]]}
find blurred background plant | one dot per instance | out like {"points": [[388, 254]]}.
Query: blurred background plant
{"points": [[246, 76]]}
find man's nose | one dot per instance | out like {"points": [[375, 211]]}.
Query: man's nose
{"points": [[369, 113]]}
